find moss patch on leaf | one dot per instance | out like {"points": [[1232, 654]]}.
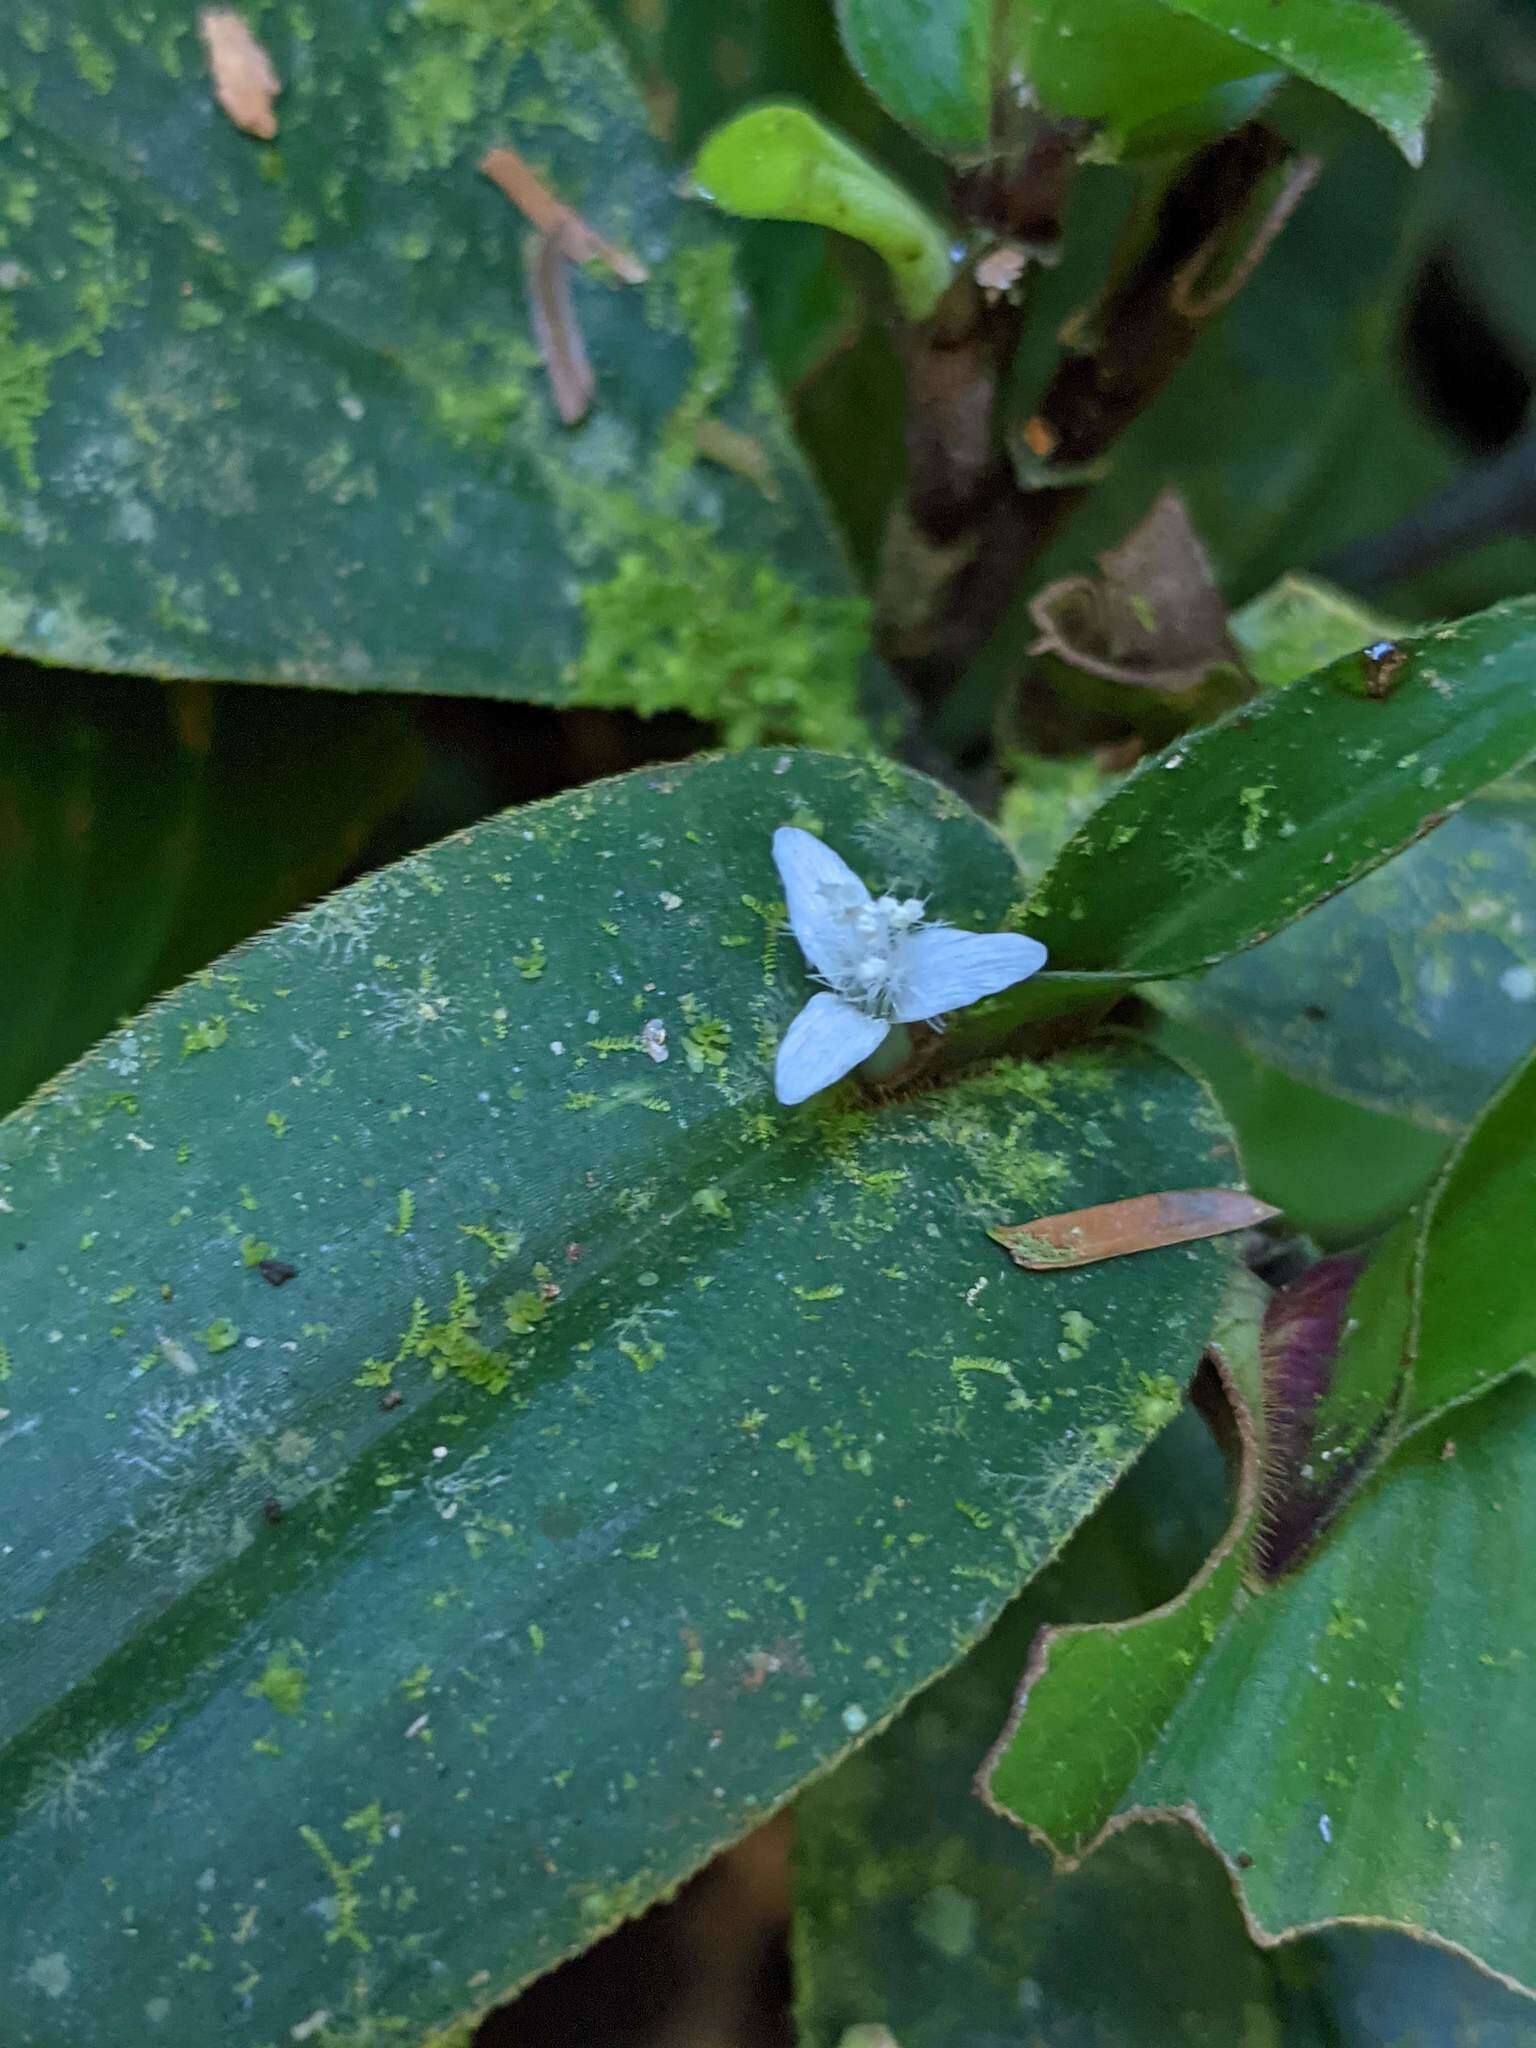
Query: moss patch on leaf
{"points": [[684, 625]]}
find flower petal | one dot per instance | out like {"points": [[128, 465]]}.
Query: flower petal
{"points": [[944, 970], [818, 885], [826, 1041]]}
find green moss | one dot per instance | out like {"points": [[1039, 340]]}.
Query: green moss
{"points": [[1009, 1173], [703, 282], [512, 22], [206, 1036], [501, 1244], [707, 1041], [95, 67], [460, 2034], [477, 391], [431, 102], [282, 1685], [685, 625], [346, 1905], [19, 203], [1159, 1400], [24, 378], [451, 1345], [524, 1312]]}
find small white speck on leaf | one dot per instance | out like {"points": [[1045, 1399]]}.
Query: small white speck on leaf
{"points": [[50, 1974], [653, 1040]]}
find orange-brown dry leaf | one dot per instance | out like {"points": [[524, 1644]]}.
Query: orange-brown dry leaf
{"points": [[244, 82], [1113, 1230], [552, 217]]}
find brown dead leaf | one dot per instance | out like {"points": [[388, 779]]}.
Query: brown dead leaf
{"points": [[1114, 1230], [1153, 618], [553, 218], [556, 328], [244, 82]]}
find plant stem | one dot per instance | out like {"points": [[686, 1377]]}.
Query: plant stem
{"points": [[972, 525]]}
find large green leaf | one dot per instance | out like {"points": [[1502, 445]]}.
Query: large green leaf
{"points": [[275, 410], [1341, 1173], [1361, 53], [1477, 1309], [918, 1911], [1362, 1732], [144, 828], [946, 66], [1345, 1047], [1413, 993], [723, 1427], [1237, 829], [1350, 1738]]}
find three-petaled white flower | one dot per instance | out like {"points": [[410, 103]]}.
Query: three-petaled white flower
{"points": [[882, 965]]}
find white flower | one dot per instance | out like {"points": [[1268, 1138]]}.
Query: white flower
{"points": [[881, 963]]}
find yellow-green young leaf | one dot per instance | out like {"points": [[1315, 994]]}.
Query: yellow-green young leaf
{"points": [[784, 163], [594, 1450], [276, 410]]}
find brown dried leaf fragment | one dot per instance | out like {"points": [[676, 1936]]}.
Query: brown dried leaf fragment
{"points": [[731, 449], [1154, 617], [556, 328], [1114, 1230], [553, 218], [244, 82]]}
